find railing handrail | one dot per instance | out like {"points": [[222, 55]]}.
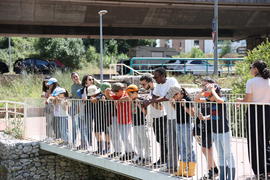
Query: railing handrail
{"points": [[130, 68], [12, 102], [164, 58]]}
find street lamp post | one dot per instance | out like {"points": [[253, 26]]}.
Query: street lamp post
{"points": [[215, 36], [101, 13]]}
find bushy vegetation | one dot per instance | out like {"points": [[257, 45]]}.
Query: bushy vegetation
{"points": [[194, 53], [21, 87], [261, 52], [73, 52]]}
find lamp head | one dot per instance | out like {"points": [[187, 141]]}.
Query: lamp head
{"points": [[102, 12]]}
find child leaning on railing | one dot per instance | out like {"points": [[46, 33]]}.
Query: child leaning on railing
{"points": [[220, 128], [60, 119], [184, 112]]}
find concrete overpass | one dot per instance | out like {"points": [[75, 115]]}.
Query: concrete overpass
{"points": [[238, 19]]}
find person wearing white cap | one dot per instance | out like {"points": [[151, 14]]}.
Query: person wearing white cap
{"points": [[52, 84], [60, 120]]}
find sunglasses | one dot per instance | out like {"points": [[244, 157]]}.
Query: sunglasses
{"points": [[132, 92], [90, 79]]}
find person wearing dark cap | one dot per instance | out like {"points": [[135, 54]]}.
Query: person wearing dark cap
{"points": [[221, 131], [124, 118], [203, 130]]}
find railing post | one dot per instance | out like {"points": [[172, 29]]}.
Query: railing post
{"points": [[207, 67], [24, 119], [6, 117], [131, 65]]}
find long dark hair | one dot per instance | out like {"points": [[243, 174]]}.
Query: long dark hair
{"points": [[84, 79], [54, 86], [185, 93], [45, 88], [262, 68]]}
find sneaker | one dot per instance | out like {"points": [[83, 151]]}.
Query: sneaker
{"points": [[158, 164], [114, 155], [127, 156], [145, 161], [136, 160], [212, 174]]}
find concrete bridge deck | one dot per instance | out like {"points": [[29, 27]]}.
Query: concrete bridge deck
{"points": [[134, 18]]}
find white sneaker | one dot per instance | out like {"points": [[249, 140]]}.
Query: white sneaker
{"points": [[136, 159]]}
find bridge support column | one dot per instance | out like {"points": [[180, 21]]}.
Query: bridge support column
{"points": [[253, 42]]}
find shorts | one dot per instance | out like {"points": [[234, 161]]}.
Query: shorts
{"points": [[203, 134]]}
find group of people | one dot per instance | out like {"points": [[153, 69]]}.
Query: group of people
{"points": [[126, 116]]}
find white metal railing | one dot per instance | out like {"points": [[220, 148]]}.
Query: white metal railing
{"points": [[127, 132], [12, 116], [123, 69]]}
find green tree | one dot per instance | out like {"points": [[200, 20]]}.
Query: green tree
{"points": [[194, 53], [261, 52], [70, 51], [226, 48], [119, 46], [20, 48]]}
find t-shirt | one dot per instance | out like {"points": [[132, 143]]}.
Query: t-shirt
{"points": [[259, 88], [152, 111], [74, 89], [181, 115], [161, 91], [203, 126], [60, 108], [219, 119], [137, 114], [124, 114]]}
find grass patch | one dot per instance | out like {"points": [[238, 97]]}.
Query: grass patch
{"points": [[21, 87]]}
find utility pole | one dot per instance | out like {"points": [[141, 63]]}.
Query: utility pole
{"points": [[9, 52], [215, 37]]}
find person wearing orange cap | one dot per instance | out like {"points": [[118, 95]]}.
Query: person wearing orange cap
{"points": [[140, 132]]}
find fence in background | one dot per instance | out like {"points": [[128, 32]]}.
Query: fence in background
{"points": [[12, 116], [183, 65]]}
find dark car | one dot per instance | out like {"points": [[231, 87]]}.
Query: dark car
{"points": [[57, 64], [33, 65], [3, 68]]}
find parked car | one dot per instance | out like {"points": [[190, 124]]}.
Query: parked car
{"points": [[197, 67], [3, 68], [175, 65], [33, 65], [57, 64]]}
